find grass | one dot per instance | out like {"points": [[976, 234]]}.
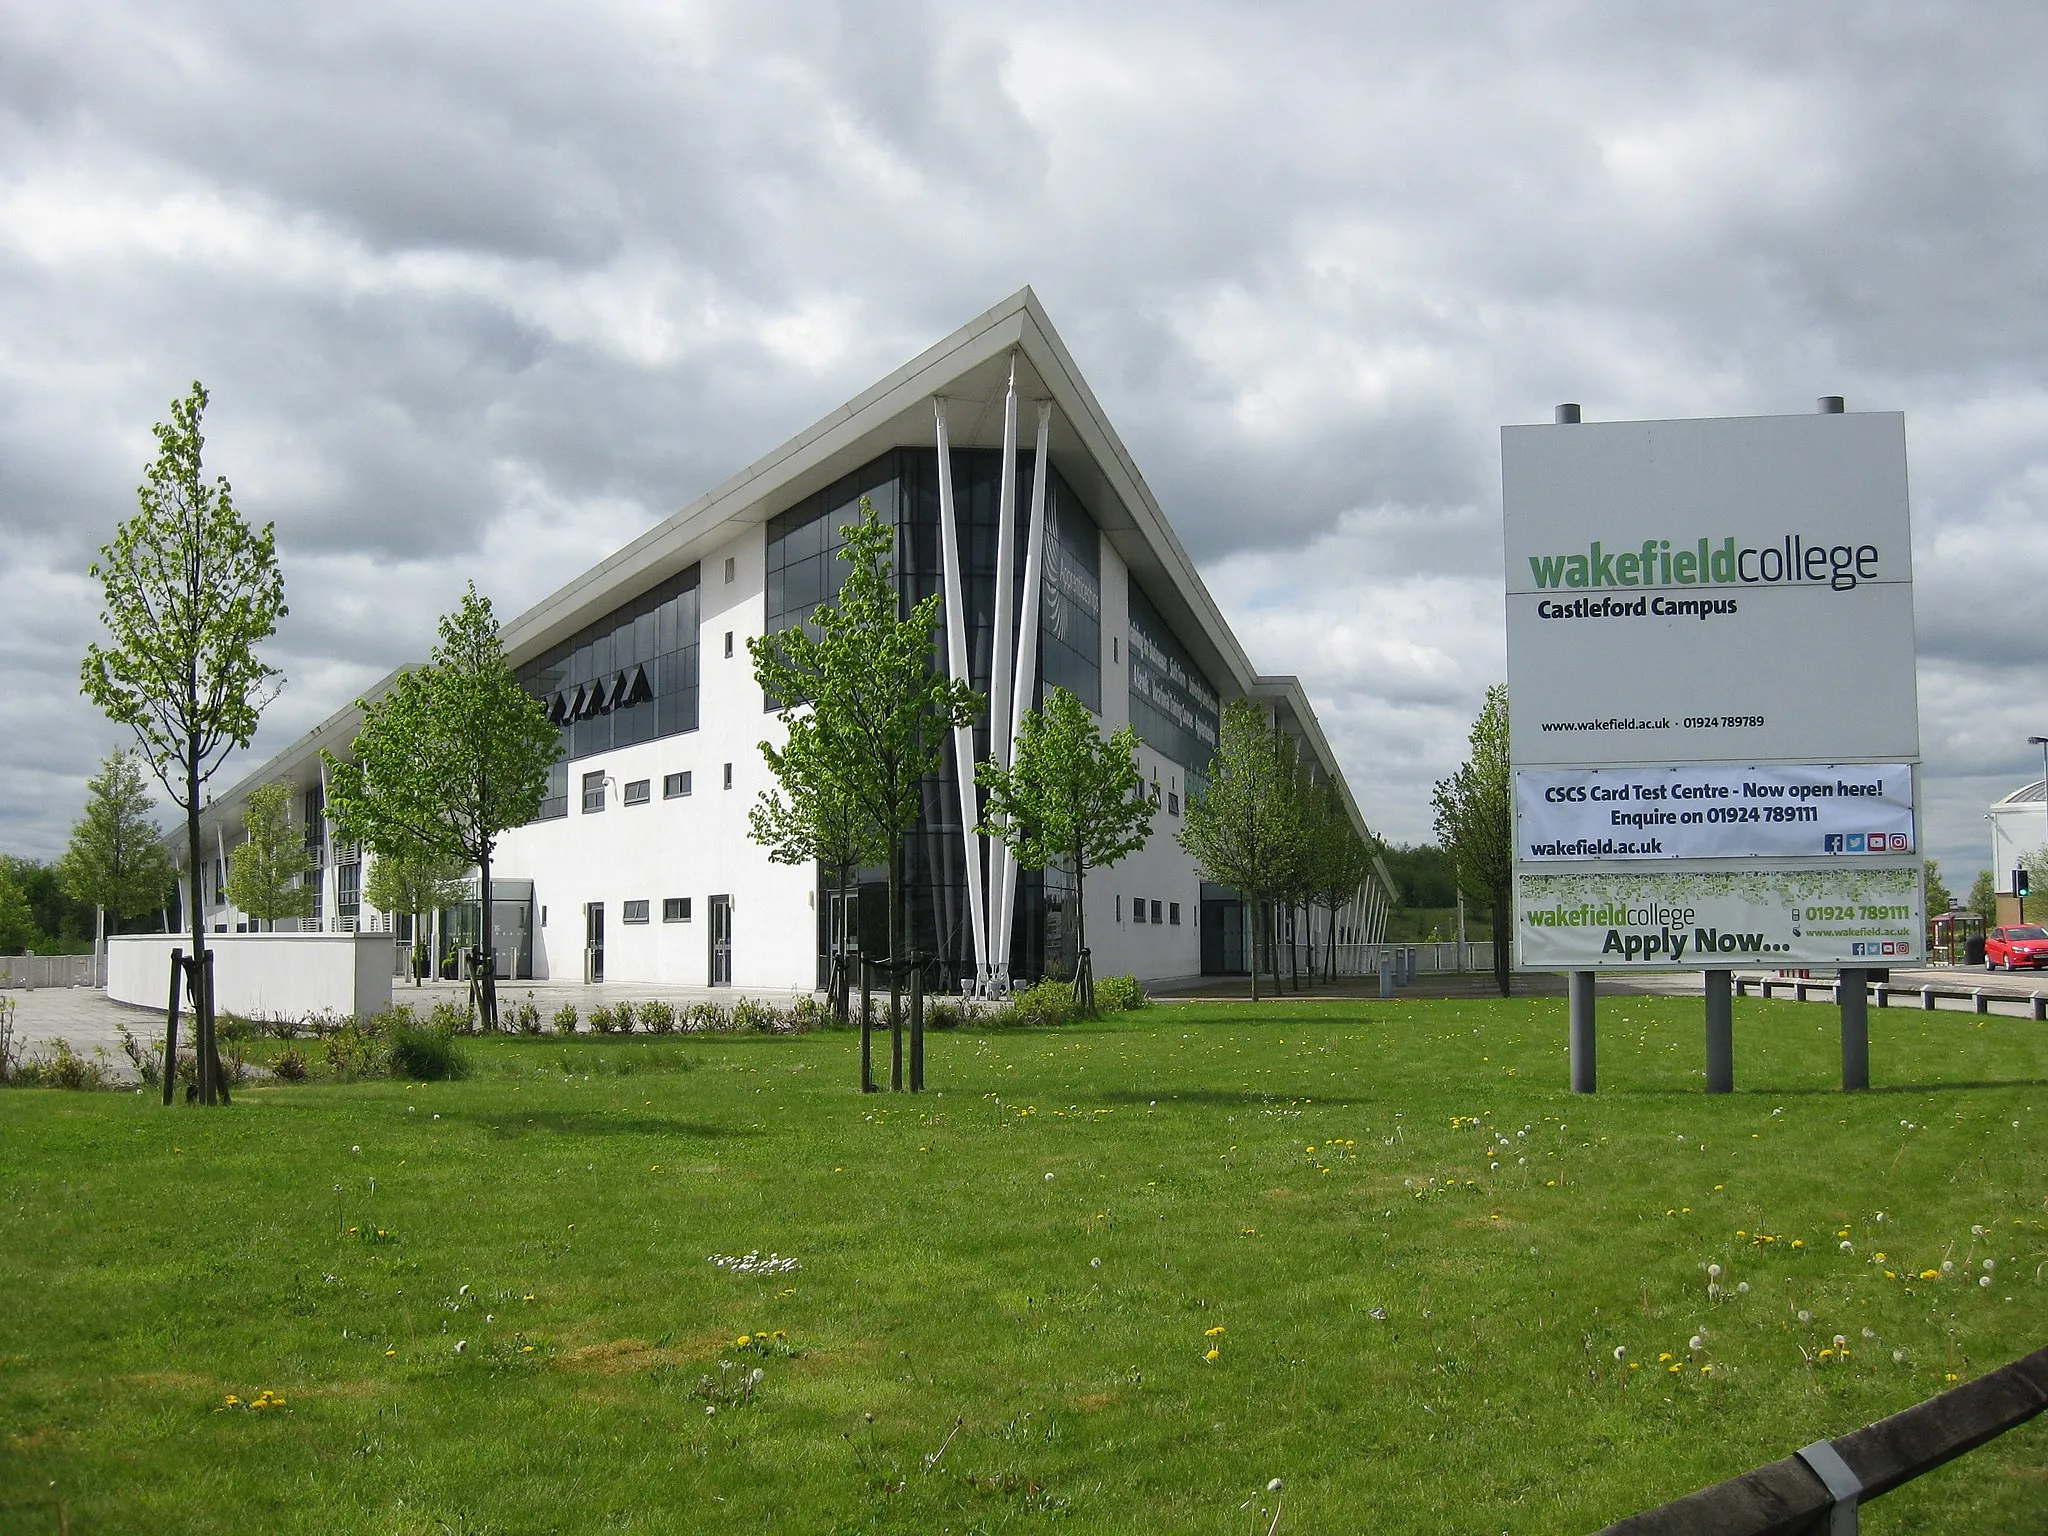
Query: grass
{"points": [[1410, 1336]]}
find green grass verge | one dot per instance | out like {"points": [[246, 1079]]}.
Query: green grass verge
{"points": [[488, 1305]]}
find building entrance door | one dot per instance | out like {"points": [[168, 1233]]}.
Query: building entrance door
{"points": [[721, 941], [593, 941]]}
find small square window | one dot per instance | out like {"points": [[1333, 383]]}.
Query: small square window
{"points": [[674, 785], [1119, 907], [1155, 911], [1173, 914], [593, 793], [1155, 792], [1172, 803], [730, 566], [728, 775], [1114, 653], [636, 911], [1137, 909], [675, 909], [728, 642], [637, 791]]}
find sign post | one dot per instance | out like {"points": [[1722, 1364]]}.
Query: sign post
{"points": [[1715, 726]]}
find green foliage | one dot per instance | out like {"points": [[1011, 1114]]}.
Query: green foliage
{"points": [[267, 872], [1984, 896], [658, 1018], [1120, 994], [1046, 1002], [1246, 830], [1475, 821], [18, 931], [524, 1017], [454, 755], [1940, 898], [424, 1052], [116, 858], [358, 1049], [1423, 873], [59, 1066], [289, 1065], [411, 883], [564, 1019], [1068, 797], [58, 923]]}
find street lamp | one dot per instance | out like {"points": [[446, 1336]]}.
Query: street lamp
{"points": [[2042, 743]]}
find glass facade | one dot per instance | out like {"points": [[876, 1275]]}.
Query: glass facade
{"points": [[804, 570], [630, 677], [1173, 706]]}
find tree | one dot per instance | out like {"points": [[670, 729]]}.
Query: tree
{"points": [[812, 816], [17, 921], [1940, 898], [267, 871], [189, 590], [1244, 830], [1069, 797], [1475, 824], [881, 712], [414, 884], [1984, 897], [456, 754], [1339, 861], [116, 860]]}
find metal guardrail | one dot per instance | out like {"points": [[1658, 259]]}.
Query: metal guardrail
{"points": [[1819, 1489], [1885, 995], [51, 971]]}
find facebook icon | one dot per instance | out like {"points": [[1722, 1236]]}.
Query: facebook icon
{"points": [[1831, 842]]}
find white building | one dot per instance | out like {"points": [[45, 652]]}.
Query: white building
{"points": [[2019, 829], [640, 867]]}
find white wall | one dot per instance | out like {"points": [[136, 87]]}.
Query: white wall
{"points": [[273, 974]]}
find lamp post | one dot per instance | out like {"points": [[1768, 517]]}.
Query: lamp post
{"points": [[2042, 743]]}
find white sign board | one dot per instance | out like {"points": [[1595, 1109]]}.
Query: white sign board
{"points": [[1713, 811], [1735, 590], [1706, 919], [1714, 721]]}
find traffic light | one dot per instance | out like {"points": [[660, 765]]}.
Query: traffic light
{"points": [[2019, 883]]}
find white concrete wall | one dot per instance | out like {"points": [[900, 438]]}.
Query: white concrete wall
{"points": [[273, 974]]}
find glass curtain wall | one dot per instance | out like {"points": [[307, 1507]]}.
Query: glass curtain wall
{"points": [[1174, 707], [804, 570]]}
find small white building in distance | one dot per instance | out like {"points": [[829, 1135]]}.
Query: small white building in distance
{"points": [[2019, 827], [639, 867]]}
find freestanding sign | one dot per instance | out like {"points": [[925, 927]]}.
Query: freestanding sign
{"points": [[1714, 723]]}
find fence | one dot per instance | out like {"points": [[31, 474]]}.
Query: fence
{"points": [[1445, 956], [1818, 1490], [52, 971]]}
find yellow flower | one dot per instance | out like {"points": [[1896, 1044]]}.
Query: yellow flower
{"points": [[1671, 1369], [526, 1349], [232, 1400], [1827, 1354], [1666, 1355], [1211, 1333], [780, 1334], [389, 1353], [1706, 1370], [1798, 1242], [1634, 1365], [1213, 1356], [1930, 1274], [742, 1341]]}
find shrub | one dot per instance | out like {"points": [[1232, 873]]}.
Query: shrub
{"points": [[565, 1019], [1046, 1002], [749, 1014], [706, 1018], [602, 1019], [444, 1016], [359, 1050], [324, 1023], [64, 1068], [148, 1061], [279, 1026], [944, 1015], [289, 1065], [524, 1017], [808, 1013], [233, 1026], [658, 1018], [1120, 994], [426, 1053]]}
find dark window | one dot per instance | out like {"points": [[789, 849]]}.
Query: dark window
{"points": [[630, 677], [1070, 597], [1155, 911], [728, 775], [1173, 914], [637, 792], [636, 911], [675, 784], [593, 793], [728, 642], [729, 565], [675, 909], [1173, 707], [348, 889], [1137, 909], [556, 801], [1172, 803]]}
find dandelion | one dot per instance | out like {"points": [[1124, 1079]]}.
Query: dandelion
{"points": [[1977, 1231], [1095, 1263], [1869, 1333], [1663, 1356], [1984, 1282], [1671, 1370], [1805, 1316], [461, 1346], [1742, 1286], [1214, 1333], [1695, 1343], [1840, 1341], [389, 1353], [1827, 1354], [1847, 1246], [1621, 1351], [1948, 1266], [1990, 1265], [1898, 1357], [526, 1349], [1713, 1271], [233, 1401], [743, 1341], [1213, 1356], [1798, 1242]]}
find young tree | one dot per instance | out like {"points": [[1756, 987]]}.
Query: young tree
{"points": [[1475, 824], [1244, 830], [812, 817], [266, 872], [189, 590], [1940, 898], [881, 711], [116, 860], [1339, 860], [1984, 897], [454, 755], [1069, 797], [414, 884], [17, 920]]}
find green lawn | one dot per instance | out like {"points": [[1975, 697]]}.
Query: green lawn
{"points": [[489, 1306]]}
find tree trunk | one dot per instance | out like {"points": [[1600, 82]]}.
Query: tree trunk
{"points": [[1330, 949], [1503, 936], [489, 944], [202, 1013], [1084, 972], [1251, 932], [895, 972]]}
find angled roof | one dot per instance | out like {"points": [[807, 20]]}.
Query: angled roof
{"points": [[970, 369]]}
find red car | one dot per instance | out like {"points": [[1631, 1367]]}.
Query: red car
{"points": [[2016, 947]]}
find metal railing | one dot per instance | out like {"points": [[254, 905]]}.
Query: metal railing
{"points": [[52, 971], [1819, 1489]]}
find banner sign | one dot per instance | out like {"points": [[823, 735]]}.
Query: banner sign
{"points": [[1845, 915], [1736, 590], [1712, 811]]}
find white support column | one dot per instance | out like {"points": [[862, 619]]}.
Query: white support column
{"points": [[1026, 684], [959, 667], [330, 911], [220, 884], [1001, 679]]}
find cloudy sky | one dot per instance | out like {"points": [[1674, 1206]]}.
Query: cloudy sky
{"points": [[488, 290]]}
